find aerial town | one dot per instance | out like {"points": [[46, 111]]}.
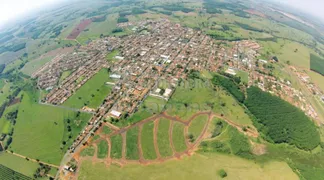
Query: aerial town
{"points": [[159, 50]]}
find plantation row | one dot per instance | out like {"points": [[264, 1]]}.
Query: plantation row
{"points": [[281, 121], [7, 173], [230, 86]]}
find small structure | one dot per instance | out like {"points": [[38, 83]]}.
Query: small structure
{"points": [[158, 90], [167, 92], [68, 168], [115, 76], [230, 71], [119, 58], [263, 61], [115, 113], [322, 98]]}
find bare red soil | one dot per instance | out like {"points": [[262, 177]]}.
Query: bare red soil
{"points": [[254, 12], [79, 28]]}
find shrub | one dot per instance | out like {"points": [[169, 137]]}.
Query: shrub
{"points": [[222, 173], [230, 86]]}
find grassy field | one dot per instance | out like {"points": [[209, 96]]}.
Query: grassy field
{"points": [[131, 144], [197, 125], [5, 91], [147, 141], [106, 130], [150, 106], [102, 149], [198, 166], [178, 137], [18, 164], [244, 76], [33, 66], [317, 64], [88, 151], [5, 124], [40, 136], [92, 93], [64, 75], [111, 56], [116, 147], [163, 138]]}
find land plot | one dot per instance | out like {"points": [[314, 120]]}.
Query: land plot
{"points": [[78, 29], [116, 147], [102, 149], [178, 137], [197, 126], [132, 144], [163, 138], [148, 141]]}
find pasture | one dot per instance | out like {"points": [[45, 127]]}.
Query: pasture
{"points": [[40, 136], [102, 149], [197, 125], [198, 166], [116, 147], [317, 64], [92, 93], [178, 137], [33, 66]]}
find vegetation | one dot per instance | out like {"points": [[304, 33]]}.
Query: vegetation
{"points": [[230, 86], [317, 64], [122, 20], [280, 121], [7, 173], [89, 151], [178, 137], [147, 141], [222, 173], [163, 138], [197, 125], [116, 147], [102, 149], [92, 93], [132, 144]]}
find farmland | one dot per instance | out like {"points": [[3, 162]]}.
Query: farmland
{"points": [[79, 28], [317, 64]]}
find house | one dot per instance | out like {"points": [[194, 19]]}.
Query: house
{"points": [[119, 57], [115, 76]]}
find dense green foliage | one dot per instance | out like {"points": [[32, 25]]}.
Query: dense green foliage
{"points": [[281, 121], [7, 173], [117, 30], [317, 64], [13, 48], [177, 8], [99, 19], [248, 27], [239, 143], [122, 20], [230, 86], [222, 173]]}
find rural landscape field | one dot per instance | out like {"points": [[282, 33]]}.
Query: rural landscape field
{"points": [[147, 89]]}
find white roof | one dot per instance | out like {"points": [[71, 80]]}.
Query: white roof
{"points": [[167, 92], [158, 90], [115, 76], [115, 113], [231, 71], [119, 57]]}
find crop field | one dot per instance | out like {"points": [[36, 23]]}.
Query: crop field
{"points": [[198, 166], [147, 141], [116, 147], [46, 133], [32, 66], [18, 164], [102, 149], [92, 93], [132, 144], [79, 28], [178, 137], [163, 138], [7, 173], [317, 64], [197, 125]]}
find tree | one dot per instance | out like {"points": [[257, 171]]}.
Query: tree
{"points": [[222, 173]]}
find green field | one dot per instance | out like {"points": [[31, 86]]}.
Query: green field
{"points": [[18, 164], [198, 166], [111, 56], [33, 66], [178, 137], [116, 147], [92, 93], [40, 136], [163, 138], [102, 149], [147, 141], [64, 75], [5, 124], [7, 173], [89, 151], [106, 130], [149, 107], [197, 125], [131, 144], [317, 64]]}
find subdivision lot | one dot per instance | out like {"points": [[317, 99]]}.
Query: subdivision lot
{"points": [[178, 137], [148, 141], [197, 125], [163, 138], [92, 93], [132, 144], [116, 147], [102, 149]]}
